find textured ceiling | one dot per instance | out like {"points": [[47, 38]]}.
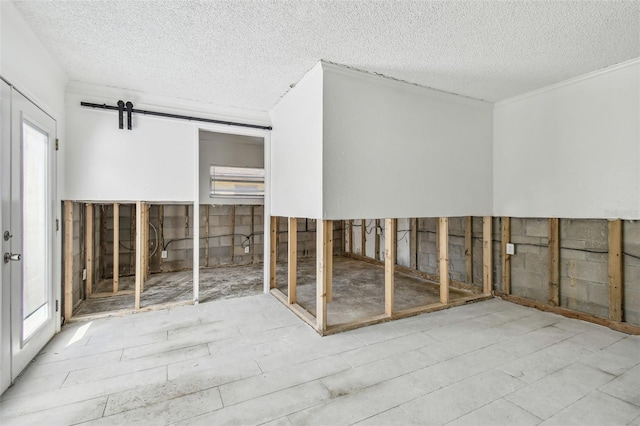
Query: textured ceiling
{"points": [[246, 54]]}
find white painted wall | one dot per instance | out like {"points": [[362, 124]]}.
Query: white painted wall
{"points": [[296, 150], [150, 162], [221, 149], [29, 68], [393, 149], [571, 150]]}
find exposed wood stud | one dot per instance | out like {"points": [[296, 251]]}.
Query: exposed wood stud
{"points": [[554, 262], [505, 225], [363, 236], [116, 246], [293, 258], [389, 265], [253, 230], [487, 255], [323, 246], [68, 260], [160, 232], [329, 261], [132, 237], [377, 240], [443, 258], [273, 251], [89, 247], [616, 281], [103, 241], [468, 249], [343, 236], [145, 234], [413, 249], [139, 260], [206, 234], [395, 241], [350, 236], [233, 232]]}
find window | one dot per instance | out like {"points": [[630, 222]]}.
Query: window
{"points": [[236, 182]]}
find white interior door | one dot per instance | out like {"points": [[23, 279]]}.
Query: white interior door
{"points": [[28, 256]]}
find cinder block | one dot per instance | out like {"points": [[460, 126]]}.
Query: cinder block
{"points": [[537, 227], [591, 230]]}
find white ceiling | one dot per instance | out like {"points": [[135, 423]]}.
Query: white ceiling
{"points": [[246, 54]]}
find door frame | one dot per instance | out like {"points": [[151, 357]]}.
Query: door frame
{"points": [[54, 240]]}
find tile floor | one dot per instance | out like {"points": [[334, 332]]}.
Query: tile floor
{"points": [[251, 361]]}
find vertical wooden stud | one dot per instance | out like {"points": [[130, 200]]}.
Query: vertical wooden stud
{"points": [[293, 260], [253, 230], [68, 260], [343, 236], [377, 240], [468, 249], [443, 258], [161, 231], [206, 233], [505, 228], [395, 240], [363, 236], [324, 241], [132, 238], [89, 246], [487, 255], [615, 271], [116, 246], [273, 251], [145, 241], [350, 236], [329, 261], [413, 248], [389, 265], [233, 232], [139, 256], [554, 262]]}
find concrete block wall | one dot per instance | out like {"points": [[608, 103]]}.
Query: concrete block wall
{"points": [[584, 266], [306, 238], [79, 290], [584, 279], [631, 273]]}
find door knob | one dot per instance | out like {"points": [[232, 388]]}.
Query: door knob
{"points": [[12, 256]]}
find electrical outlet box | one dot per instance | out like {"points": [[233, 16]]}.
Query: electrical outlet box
{"points": [[163, 254], [246, 249], [84, 275], [511, 248]]}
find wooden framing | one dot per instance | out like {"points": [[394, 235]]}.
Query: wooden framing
{"points": [[139, 260], [615, 271], [232, 254], [324, 249], [206, 233], [350, 236], [487, 255], [389, 265], [413, 247], [377, 240], [505, 237], [443, 258], [68, 260], [329, 263], [273, 251], [116, 246], [293, 261], [554, 262], [468, 249], [363, 236], [623, 327], [160, 231], [145, 242], [89, 247]]}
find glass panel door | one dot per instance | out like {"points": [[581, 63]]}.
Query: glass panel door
{"points": [[32, 228]]}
